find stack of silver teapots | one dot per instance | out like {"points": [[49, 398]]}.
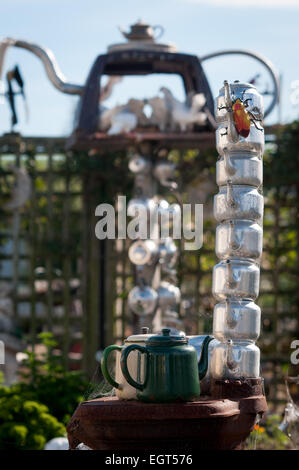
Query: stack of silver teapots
{"points": [[238, 207]]}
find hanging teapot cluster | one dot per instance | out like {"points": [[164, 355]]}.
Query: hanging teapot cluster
{"points": [[153, 258]]}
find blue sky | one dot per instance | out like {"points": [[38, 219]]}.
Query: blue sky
{"points": [[79, 30]]}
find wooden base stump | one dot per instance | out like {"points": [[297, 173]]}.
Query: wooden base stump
{"points": [[207, 424]]}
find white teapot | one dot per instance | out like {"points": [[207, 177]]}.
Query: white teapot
{"points": [[123, 390]]}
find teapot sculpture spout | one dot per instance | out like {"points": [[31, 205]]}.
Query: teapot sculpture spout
{"points": [[204, 357], [124, 33], [47, 58]]}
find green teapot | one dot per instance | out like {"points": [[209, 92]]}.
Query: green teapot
{"points": [[172, 371]]}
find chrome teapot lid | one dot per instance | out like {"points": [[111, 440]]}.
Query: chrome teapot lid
{"points": [[142, 336]]}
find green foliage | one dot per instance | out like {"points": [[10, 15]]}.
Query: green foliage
{"points": [[281, 163], [25, 424], [269, 436], [47, 381], [35, 410]]}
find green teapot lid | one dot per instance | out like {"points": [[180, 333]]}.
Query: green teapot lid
{"points": [[166, 339]]}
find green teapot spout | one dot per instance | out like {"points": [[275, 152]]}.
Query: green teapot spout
{"points": [[204, 357]]}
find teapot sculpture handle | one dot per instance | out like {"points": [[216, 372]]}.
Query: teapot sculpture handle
{"points": [[160, 30], [104, 366], [124, 364]]}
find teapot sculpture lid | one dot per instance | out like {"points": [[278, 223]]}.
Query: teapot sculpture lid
{"points": [[166, 339]]}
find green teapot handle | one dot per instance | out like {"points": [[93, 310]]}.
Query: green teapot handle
{"points": [[104, 366], [204, 359], [124, 364]]}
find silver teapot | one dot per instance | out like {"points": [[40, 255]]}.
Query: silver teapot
{"points": [[143, 252], [239, 239], [139, 164], [168, 295], [236, 320], [253, 143], [243, 91], [235, 279], [196, 341], [141, 31], [164, 172], [233, 360], [238, 202], [143, 300], [122, 389], [239, 169], [250, 102], [167, 252]]}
